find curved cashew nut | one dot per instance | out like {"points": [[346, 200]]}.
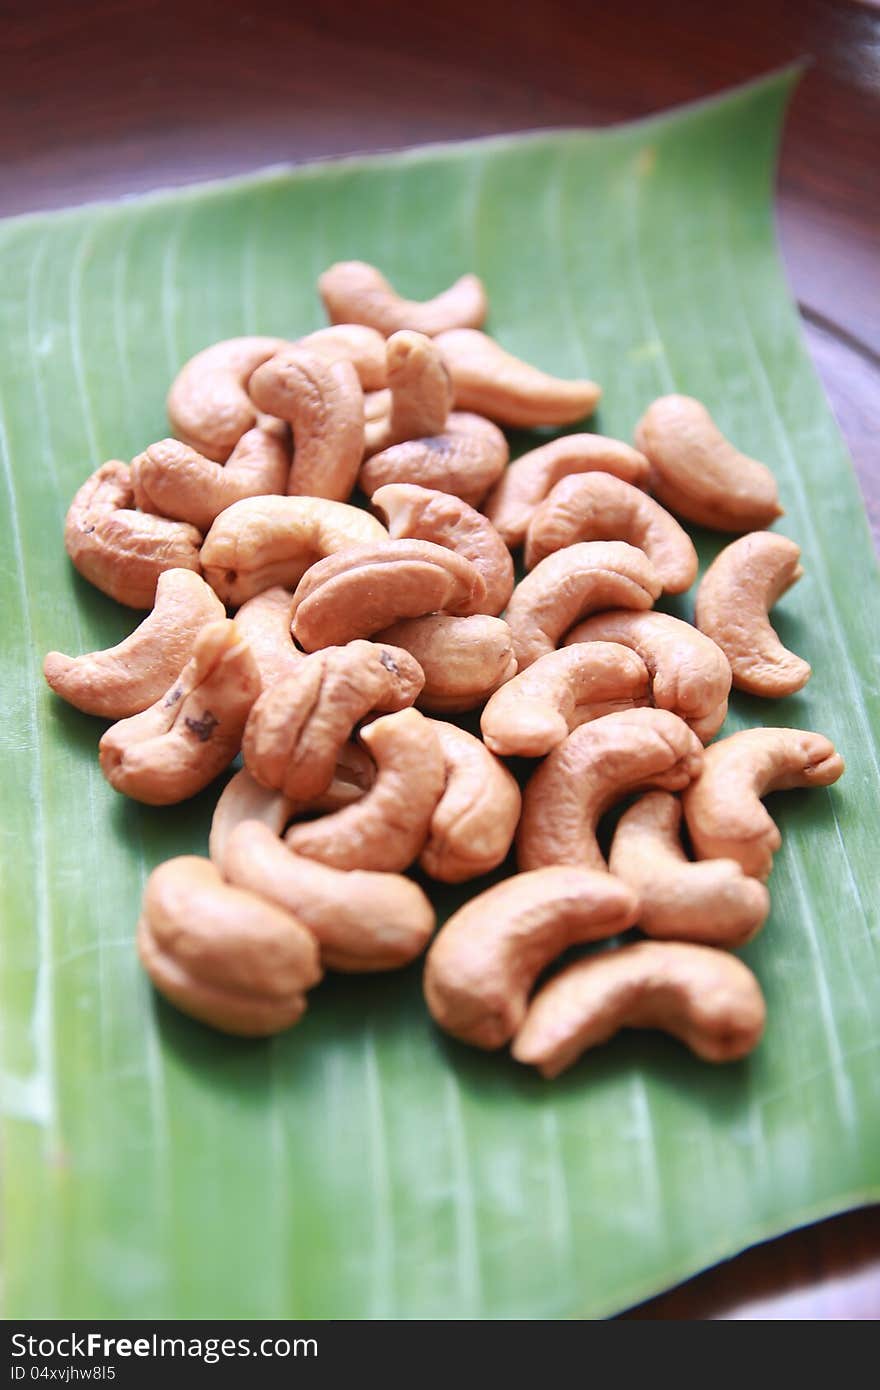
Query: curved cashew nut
{"points": [[420, 393], [363, 347], [362, 921], [119, 550], [297, 727], [735, 594], [463, 659], [520, 490], [571, 583], [125, 679], [592, 769], [208, 404], [465, 459], [424, 514], [324, 404], [723, 808], [173, 480], [708, 999], [365, 589], [264, 623], [265, 541], [223, 955], [698, 474], [493, 382], [353, 291], [388, 827], [712, 901], [600, 507], [484, 962], [176, 747], [475, 820], [541, 706]]}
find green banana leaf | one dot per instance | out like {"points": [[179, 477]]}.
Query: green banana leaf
{"points": [[363, 1165]]}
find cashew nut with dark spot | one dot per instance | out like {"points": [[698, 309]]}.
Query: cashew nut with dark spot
{"points": [[475, 820], [463, 659], [420, 394], [208, 404], [493, 382], [175, 481], [264, 623], [353, 291], [465, 459]]}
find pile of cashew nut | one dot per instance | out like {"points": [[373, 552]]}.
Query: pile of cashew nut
{"points": [[347, 497]]}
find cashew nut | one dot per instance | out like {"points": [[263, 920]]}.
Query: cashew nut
{"points": [[596, 766], [363, 347], [265, 541], [493, 382], [708, 999], [723, 808], [223, 955], [176, 747], [356, 292], [463, 659], [712, 901], [424, 514], [264, 623], [571, 583], [466, 459], [388, 827], [698, 474], [420, 396], [323, 401], [174, 480], [119, 550], [484, 962], [531, 714], [367, 588], [297, 727], [208, 404], [362, 921], [735, 594], [475, 820], [521, 489], [600, 507]]}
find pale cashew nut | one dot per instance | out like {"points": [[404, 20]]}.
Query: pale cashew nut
{"points": [[595, 767], [420, 396], [483, 964], [708, 999], [362, 921], [733, 600], [264, 623], [222, 955], [522, 488], [353, 291], [493, 382], [176, 747], [724, 812], [712, 901], [208, 404], [463, 659], [531, 714], [388, 827], [699, 474], [475, 820], [571, 583], [367, 588], [119, 550], [600, 507], [125, 679], [175, 481], [265, 541], [424, 514], [465, 459], [363, 347]]}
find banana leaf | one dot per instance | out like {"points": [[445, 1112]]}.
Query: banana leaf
{"points": [[363, 1166]]}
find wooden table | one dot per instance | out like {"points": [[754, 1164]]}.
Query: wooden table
{"points": [[104, 98]]}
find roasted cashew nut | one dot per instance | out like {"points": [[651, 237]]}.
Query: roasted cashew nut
{"points": [[465, 459], [424, 514], [266, 541], [600, 507], [127, 678], [264, 623], [355, 292], [725, 817], [420, 393], [173, 480], [176, 747], [595, 767], [712, 901], [119, 550], [362, 921], [367, 588], [700, 475], [531, 714], [571, 583], [363, 347], [484, 962], [708, 999], [208, 404], [297, 727], [475, 820], [493, 382], [222, 955], [733, 600], [463, 659]]}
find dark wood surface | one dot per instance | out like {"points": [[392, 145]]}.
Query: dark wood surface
{"points": [[102, 98]]}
